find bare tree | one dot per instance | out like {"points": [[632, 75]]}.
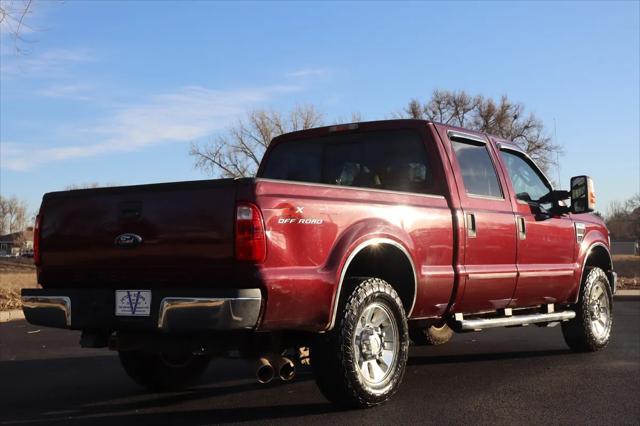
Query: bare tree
{"points": [[623, 219], [504, 118], [4, 212], [238, 152], [13, 17], [355, 117], [13, 215], [17, 215]]}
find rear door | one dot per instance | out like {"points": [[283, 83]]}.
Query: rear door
{"points": [[489, 263], [546, 240]]}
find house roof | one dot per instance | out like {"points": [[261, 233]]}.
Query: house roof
{"points": [[15, 236]]}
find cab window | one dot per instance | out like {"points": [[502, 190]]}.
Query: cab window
{"points": [[392, 160], [477, 169], [527, 180]]}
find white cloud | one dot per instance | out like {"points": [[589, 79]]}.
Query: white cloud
{"points": [[184, 115], [48, 64], [79, 92], [309, 72]]}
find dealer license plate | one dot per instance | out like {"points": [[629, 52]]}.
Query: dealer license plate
{"points": [[133, 303]]}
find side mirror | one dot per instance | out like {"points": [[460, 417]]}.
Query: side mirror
{"points": [[583, 198]]}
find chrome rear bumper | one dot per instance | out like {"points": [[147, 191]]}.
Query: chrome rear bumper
{"points": [[177, 313], [171, 310], [55, 309]]}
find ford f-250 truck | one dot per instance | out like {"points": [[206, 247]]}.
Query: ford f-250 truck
{"points": [[352, 240]]}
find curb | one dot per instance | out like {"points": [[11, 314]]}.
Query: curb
{"points": [[13, 315], [627, 293]]}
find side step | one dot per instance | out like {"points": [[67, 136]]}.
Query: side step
{"points": [[515, 320]]}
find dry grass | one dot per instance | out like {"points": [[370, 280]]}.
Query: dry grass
{"points": [[10, 285], [16, 265], [628, 269], [14, 275]]}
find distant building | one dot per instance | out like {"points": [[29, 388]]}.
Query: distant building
{"points": [[624, 247], [17, 243]]}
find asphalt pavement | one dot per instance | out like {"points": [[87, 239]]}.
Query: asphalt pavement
{"points": [[501, 376]]}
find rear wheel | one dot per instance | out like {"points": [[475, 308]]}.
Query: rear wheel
{"points": [[434, 335], [163, 371], [360, 363], [590, 330]]}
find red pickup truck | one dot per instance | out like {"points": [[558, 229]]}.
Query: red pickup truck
{"points": [[351, 241]]}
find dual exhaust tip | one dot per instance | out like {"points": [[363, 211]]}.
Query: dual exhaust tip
{"points": [[266, 370]]}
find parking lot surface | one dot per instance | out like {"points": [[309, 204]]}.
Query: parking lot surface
{"points": [[505, 376]]}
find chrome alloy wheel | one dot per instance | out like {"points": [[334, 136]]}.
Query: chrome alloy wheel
{"points": [[599, 311], [376, 344]]}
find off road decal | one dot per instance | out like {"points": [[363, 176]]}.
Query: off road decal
{"points": [[294, 214], [301, 220]]}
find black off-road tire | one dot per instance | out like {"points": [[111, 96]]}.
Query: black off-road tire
{"points": [[333, 356], [578, 332], [431, 336], [157, 373]]}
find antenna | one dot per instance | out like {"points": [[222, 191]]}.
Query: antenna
{"points": [[555, 139]]}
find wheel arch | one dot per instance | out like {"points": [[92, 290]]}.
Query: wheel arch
{"points": [[399, 271], [598, 255]]}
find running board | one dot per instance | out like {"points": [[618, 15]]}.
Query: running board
{"points": [[515, 320]]}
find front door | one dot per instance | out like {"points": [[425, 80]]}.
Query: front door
{"points": [[546, 239]]}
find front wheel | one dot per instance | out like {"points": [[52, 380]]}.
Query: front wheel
{"points": [[361, 362], [163, 371], [590, 330]]}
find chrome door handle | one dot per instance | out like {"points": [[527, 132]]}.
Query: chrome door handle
{"points": [[522, 228], [472, 230]]}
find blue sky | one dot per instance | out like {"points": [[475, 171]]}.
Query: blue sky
{"points": [[114, 92]]}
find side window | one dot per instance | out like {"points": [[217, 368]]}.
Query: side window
{"points": [[401, 164], [394, 161], [297, 162], [344, 164], [527, 181], [477, 170]]}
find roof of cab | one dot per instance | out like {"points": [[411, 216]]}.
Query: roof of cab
{"points": [[388, 125]]}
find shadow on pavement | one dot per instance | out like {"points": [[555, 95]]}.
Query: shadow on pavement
{"points": [[467, 358], [214, 415], [94, 390]]}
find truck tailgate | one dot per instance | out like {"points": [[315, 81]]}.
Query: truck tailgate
{"points": [[186, 231]]}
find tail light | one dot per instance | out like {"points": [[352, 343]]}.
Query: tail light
{"points": [[36, 240], [251, 242]]}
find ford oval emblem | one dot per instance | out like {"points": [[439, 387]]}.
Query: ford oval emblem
{"points": [[128, 240]]}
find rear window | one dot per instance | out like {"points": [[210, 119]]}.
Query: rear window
{"points": [[393, 160]]}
